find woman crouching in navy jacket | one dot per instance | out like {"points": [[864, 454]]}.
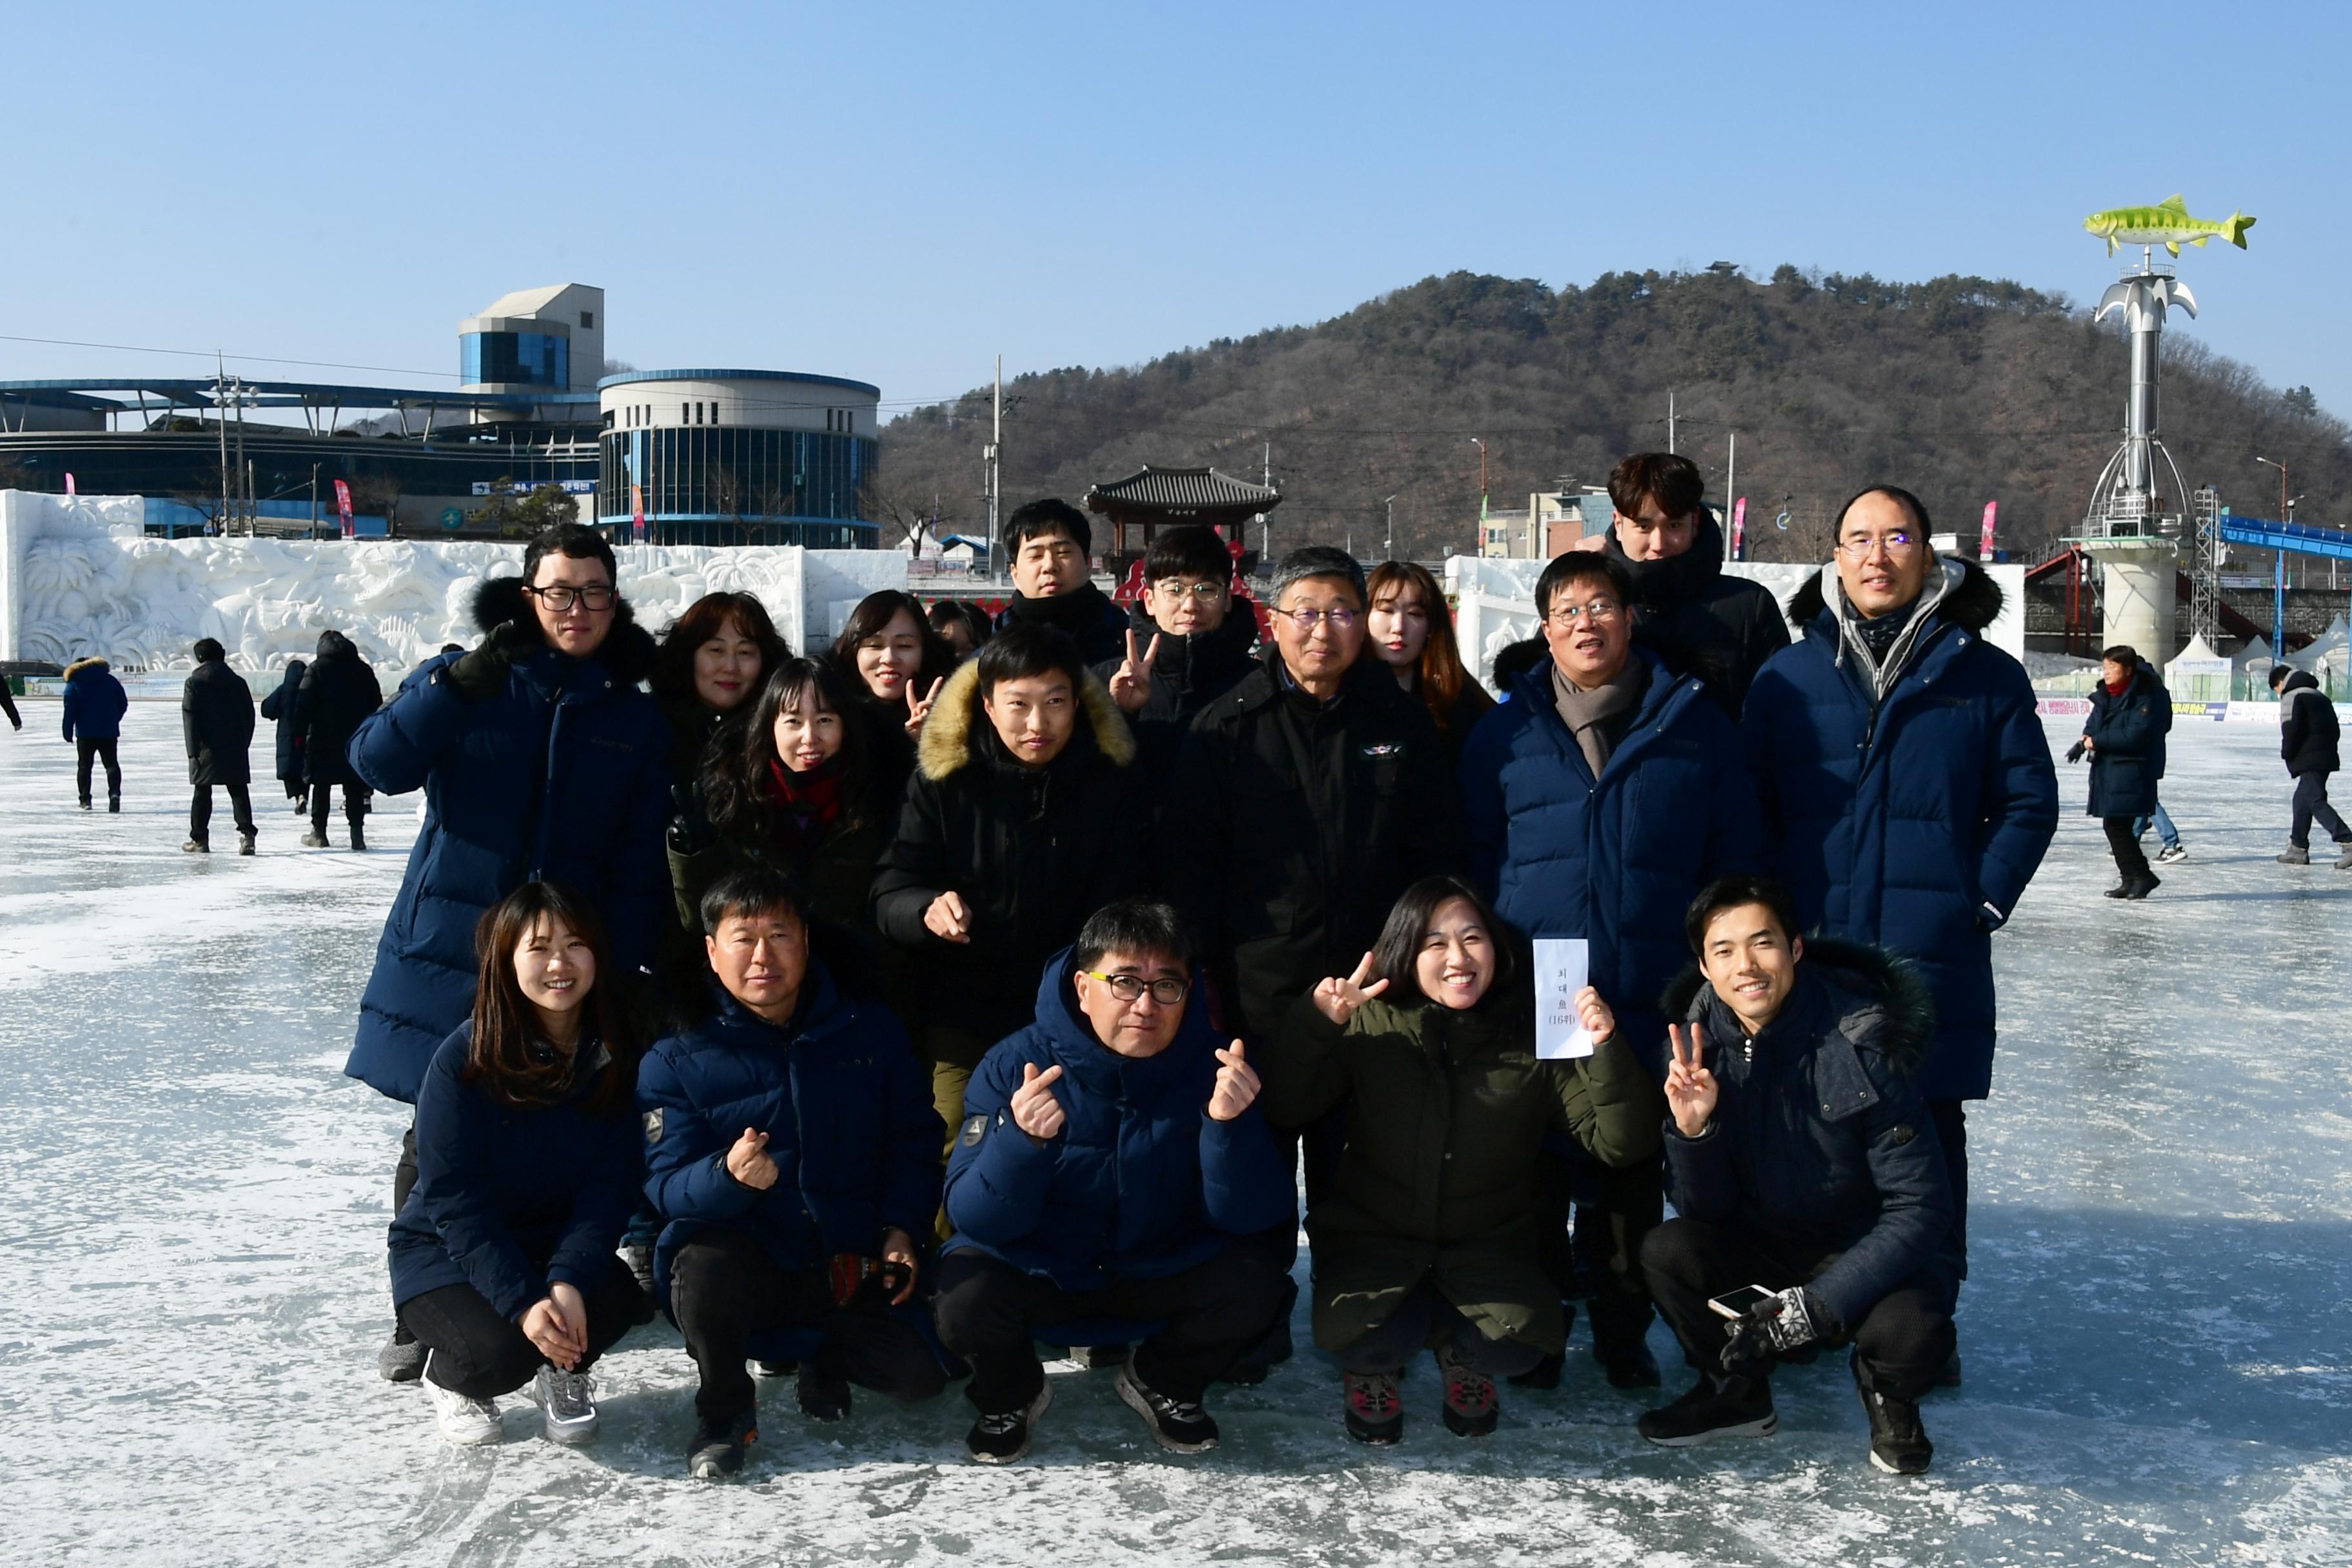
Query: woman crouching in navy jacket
{"points": [[503, 1262]]}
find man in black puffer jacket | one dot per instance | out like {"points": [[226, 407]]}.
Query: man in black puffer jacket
{"points": [[1188, 644], [1049, 542], [1698, 620], [338, 691], [1803, 1160], [217, 716], [1021, 820], [2309, 737]]}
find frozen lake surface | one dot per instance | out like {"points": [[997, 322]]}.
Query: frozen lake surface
{"points": [[191, 1241]]}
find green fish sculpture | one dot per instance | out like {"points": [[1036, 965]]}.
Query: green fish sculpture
{"points": [[2167, 224]]}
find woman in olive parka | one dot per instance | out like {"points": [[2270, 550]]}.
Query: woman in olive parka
{"points": [[1428, 1234]]}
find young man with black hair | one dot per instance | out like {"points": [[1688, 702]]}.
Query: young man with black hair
{"points": [[542, 759], [1188, 644], [1803, 1160], [1050, 543], [1109, 1158], [1908, 785], [1021, 817], [792, 1150], [1688, 610], [2309, 742], [216, 717], [1599, 799]]}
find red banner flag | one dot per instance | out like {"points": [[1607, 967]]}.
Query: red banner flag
{"points": [[1984, 542], [343, 508], [1740, 529]]}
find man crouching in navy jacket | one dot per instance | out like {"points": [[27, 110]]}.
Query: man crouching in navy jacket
{"points": [[1804, 1162], [1110, 1154], [792, 1148]]}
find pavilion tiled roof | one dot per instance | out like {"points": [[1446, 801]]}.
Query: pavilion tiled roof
{"points": [[1182, 489]]}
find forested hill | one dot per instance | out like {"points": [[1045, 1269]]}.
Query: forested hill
{"points": [[1964, 389]]}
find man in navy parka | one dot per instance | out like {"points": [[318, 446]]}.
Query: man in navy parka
{"points": [[1108, 1157], [1907, 787], [540, 758]]}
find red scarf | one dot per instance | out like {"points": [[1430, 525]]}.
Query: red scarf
{"points": [[811, 801], [2117, 689]]}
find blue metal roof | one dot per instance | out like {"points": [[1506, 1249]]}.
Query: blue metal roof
{"points": [[627, 376], [198, 391]]}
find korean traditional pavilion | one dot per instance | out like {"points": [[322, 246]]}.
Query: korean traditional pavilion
{"points": [[1155, 498]]}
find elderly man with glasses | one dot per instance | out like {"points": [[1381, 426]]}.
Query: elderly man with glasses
{"points": [[1109, 1158], [1907, 787], [1599, 799]]}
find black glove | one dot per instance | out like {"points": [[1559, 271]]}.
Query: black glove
{"points": [[2074, 751], [690, 832], [1788, 1319], [482, 674]]}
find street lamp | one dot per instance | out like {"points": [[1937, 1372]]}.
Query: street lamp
{"points": [[1475, 441], [1390, 502], [2283, 500]]}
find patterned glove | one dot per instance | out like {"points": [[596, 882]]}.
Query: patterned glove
{"points": [[1788, 1319]]}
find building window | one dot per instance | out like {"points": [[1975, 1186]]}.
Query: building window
{"points": [[588, 319]]}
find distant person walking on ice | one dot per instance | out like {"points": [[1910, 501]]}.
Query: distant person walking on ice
{"points": [[338, 692], [281, 708], [217, 716], [540, 760], [2308, 739], [2124, 737], [94, 705], [8, 705]]}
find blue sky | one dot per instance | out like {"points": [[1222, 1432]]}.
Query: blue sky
{"points": [[898, 192]]}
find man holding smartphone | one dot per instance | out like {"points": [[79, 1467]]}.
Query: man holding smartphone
{"points": [[1812, 1201]]}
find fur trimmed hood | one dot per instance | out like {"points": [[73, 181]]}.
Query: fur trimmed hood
{"points": [[77, 666], [957, 722], [1971, 603], [1898, 1016], [627, 654]]}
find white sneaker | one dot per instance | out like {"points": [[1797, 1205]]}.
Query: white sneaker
{"points": [[468, 1422], [569, 1402], [2170, 853]]}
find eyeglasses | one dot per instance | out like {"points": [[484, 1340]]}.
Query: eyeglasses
{"points": [[1898, 545], [1176, 588], [561, 598], [1595, 611], [1307, 620], [1131, 988]]}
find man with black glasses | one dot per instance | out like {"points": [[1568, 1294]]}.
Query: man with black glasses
{"points": [[1604, 795], [1907, 787], [542, 760]]}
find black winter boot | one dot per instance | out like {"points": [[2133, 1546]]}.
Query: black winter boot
{"points": [[1898, 1443], [1720, 1404]]}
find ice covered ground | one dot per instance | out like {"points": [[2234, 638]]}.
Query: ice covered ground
{"points": [[193, 1202]]}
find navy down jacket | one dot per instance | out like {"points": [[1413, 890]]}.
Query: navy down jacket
{"points": [[510, 1197], [283, 707], [1140, 1183], [1614, 860], [847, 1111], [1914, 823], [94, 702], [2127, 750], [563, 776], [1819, 1137]]}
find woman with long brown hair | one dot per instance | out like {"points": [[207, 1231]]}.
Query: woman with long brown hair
{"points": [[1411, 631], [889, 649], [528, 1160], [710, 666]]}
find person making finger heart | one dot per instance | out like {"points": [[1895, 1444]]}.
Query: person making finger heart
{"points": [[1802, 1159], [1109, 1156]]}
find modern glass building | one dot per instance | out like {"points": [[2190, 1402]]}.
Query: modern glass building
{"points": [[736, 456]]}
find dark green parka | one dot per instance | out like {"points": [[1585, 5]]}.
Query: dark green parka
{"points": [[1446, 1112]]}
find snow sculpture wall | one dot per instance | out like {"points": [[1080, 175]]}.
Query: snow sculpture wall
{"points": [[76, 580]]}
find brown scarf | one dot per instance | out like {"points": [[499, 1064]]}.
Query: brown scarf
{"points": [[1586, 713]]}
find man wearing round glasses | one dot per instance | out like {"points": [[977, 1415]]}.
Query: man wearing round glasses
{"points": [[1907, 787], [1109, 1158], [542, 759], [1599, 799], [1188, 644]]}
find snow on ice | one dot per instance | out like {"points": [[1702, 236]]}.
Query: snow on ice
{"points": [[192, 1245]]}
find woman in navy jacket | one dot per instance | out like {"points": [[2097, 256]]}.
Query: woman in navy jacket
{"points": [[502, 1259]]}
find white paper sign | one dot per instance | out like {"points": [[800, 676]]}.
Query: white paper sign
{"points": [[1561, 964]]}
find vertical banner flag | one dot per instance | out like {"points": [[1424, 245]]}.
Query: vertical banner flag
{"points": [[1740, 529], [69, 485], [1984, 542], [1561, 965], [637, 512], [343, 508]]}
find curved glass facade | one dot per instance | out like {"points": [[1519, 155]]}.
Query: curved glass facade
{"points": [[731, 485], [529, 359]]}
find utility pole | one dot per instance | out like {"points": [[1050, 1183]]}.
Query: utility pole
{"points": [[1670, 420], [245, 509], [1389, 549], [1265, 520], [314, 501], [1482, 495], [996, 469], [2278, 646], [1731, 486], [220, 418]]}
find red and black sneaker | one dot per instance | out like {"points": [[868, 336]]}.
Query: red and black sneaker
{"points": [[1375, 1411], [1472, 1407]]}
